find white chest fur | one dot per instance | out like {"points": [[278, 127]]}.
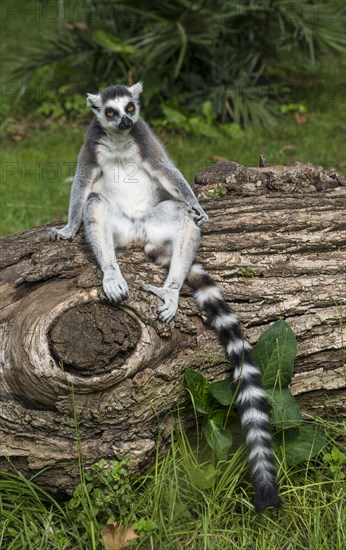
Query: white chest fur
{"points": [[124, 181]]}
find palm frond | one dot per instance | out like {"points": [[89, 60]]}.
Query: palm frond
{"points": [[196, 47]]}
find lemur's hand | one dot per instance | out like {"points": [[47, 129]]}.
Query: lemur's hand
{"points": [[198, 214], [114, 286]]}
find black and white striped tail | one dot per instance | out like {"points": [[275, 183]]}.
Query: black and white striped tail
{"points": [[250, 399]]}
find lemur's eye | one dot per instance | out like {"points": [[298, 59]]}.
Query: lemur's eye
{"points": [[110, 113], [130, 108]]}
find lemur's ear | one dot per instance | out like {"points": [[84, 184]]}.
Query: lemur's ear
{"points": [[94, 102], [136, 89]]}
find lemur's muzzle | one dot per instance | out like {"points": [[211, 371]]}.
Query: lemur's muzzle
{"points": [[125, 123]]}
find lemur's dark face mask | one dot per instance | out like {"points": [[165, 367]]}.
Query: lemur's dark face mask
{"points": [[122, 122], [126, 123]]}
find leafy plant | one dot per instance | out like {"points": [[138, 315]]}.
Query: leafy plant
{"points": [[247, 271], [213, 402], [236, 56], [64, 102], [274, 354], [336, 459], [107, 488], [219, 191], [112, 43], [294, 108], [204, 124], [175, 118]]}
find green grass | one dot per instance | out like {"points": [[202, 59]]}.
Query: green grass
{"points": [[183, 503], [35, 172], [34, 184]]}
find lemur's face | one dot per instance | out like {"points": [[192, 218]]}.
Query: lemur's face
{"points": [[120, 112], [116, 107]]}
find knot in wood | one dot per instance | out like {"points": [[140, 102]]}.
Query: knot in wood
{"points": [[93, 337]]}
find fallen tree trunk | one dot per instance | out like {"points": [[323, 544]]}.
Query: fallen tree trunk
{"points": [[67, 353]]}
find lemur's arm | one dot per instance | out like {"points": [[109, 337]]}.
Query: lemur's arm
{"points": [[159, 166], [86, 173], [80, 188], [175, 184]]}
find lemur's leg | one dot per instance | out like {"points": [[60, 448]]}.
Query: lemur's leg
{"points": [[171, 226], [103, 223]]}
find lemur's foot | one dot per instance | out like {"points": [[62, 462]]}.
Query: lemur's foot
{"points": [[198, 214], [58, 234], [169, 296], [115, 287]]}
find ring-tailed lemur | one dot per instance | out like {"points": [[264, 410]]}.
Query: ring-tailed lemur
{"points": [[126, 189]]}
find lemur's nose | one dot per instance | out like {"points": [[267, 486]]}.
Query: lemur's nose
{"points": [[125, 123]]}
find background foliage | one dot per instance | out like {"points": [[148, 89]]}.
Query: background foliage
{"points": [[237, 56]]}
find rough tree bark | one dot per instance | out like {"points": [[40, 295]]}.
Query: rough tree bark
{"points": [[276, 246]]}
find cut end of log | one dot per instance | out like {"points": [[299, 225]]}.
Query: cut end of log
{"points": [[92, 338]]}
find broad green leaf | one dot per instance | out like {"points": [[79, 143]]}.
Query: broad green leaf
{"points": [[111, 43], [199, 389], [284, 437], [274, 353], [208, 112], [200, 127], [174, 116], [233, 130], [218, 416], [219, 439], [338, 456], [202, 476], [222, 392], [285, 411], [308, 444]]}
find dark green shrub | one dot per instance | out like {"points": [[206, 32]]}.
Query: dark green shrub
{"points": [[234, 54], [274, 354]]}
